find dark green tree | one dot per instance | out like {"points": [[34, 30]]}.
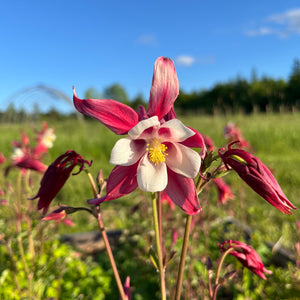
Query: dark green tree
{"points": [[116, 92], [137, 101], [293, 86], [92, 93]]}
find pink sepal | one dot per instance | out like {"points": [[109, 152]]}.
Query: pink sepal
{"points": [[164, 89], [116, 116], [182, 192]]}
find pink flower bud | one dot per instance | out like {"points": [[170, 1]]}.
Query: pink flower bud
{"points": [[257, 176], [2, 158], [247, 256]]}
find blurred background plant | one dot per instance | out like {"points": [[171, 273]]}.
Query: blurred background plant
{"points": [[67, 272], [34, 264]]}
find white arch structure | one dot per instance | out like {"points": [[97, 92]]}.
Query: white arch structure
{"points": [[35, 91]]}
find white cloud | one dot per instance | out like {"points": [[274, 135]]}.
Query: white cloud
{"points": [[188, 60], [185, 60], [147, 40], [259, 31], [283, 25]]}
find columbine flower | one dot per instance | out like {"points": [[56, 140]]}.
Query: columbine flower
{"points": [[45, 139], [247, 256], [257, 176], [223, 190], [232, 133], [25, 157], [25, 160], [2, 158], [59, 215], [56, 176], [156, 155]]}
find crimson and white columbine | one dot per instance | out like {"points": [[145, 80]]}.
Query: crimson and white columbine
{"points": [[156, 155], [157, 147]]}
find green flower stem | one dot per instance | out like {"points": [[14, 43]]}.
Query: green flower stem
{"points": [[92, 183], [106, 241], [31, 249], [158, 203], [183, 256], [217, 285], [159, 246]]}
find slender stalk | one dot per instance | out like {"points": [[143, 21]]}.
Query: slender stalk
{"points": [[209, 284], [92, 183], [219, 271], [183, 256], [159, 247], [110, 256], [158, 203], [31, 248], [106, 242]]}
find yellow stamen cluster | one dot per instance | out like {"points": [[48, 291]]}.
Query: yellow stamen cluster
{"points": [[157, 152]]}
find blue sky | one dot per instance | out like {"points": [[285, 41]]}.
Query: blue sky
{"points": [[94, 43]]}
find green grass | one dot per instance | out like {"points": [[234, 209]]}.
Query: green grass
{"points": [[275, 139]]}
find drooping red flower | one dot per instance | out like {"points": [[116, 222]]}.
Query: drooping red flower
{"points": [[156, 156], [257, 176], [223, 190], [59, 215], [248, 257], [55, 177]]}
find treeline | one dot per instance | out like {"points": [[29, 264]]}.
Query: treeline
{"points": [[240, 95], [235, 96]]}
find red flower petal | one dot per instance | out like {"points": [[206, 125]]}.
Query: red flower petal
{"points": [[182, 192], [164, 89], [121, 181], [116, 116]]}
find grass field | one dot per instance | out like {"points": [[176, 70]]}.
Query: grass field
{"points": [[276, 141]]}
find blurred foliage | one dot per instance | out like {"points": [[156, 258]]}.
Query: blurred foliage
{"points": [[34, 264], [274, 138]]}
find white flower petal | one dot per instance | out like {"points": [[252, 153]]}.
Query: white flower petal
{"points": [[174, 130], [126, 152], [138, 129], [151, 178], [183, 160]]}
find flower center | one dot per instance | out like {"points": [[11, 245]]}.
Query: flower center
{"points": [[157, 151], [48, 138]]}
